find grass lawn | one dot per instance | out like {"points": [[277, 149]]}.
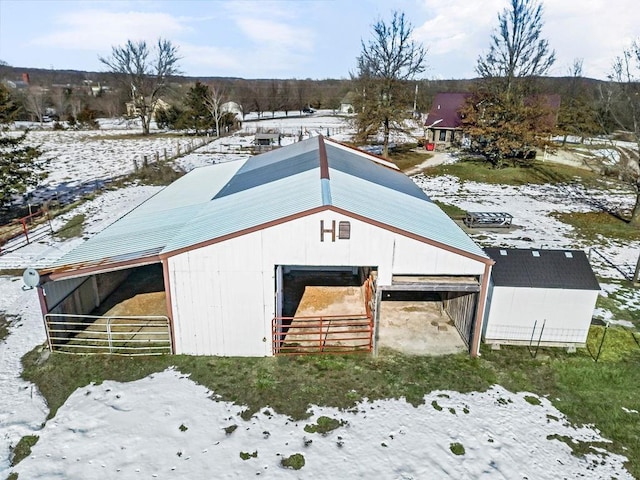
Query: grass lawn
{"points": [[586, 391], [537, 173], [4, 326], [595, 225]]}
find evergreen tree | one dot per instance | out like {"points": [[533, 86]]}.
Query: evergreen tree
{"points": [[197, 115], [20, 165]]}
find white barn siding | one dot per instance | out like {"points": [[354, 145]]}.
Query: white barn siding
{"points": [[223, 294], [514, 311]]}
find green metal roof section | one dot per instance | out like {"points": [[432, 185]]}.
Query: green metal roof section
{"points": [[410, 213], [145, 230], [228, 198]]}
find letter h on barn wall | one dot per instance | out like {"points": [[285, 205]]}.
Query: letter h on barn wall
{"points": [[344, 230]]}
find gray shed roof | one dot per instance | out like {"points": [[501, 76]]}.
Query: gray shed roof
{"points": [[231, 198], [568, 269]]}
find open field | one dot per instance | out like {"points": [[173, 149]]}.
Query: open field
{"points": [[503, 415]]}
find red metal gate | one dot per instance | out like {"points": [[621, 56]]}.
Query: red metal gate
{"points": [[322, 334]]}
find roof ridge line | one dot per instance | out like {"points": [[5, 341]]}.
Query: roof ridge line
{"points": [[325, 184]]}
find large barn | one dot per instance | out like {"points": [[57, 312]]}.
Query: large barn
{"points": [[291, 251], [544, 297]]}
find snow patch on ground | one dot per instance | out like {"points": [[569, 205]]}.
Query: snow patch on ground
{"points": [[166, 426]]}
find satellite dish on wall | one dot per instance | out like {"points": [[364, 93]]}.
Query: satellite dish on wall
{"points": [[31, 277]]}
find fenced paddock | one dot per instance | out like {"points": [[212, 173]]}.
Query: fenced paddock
{"points": [[118, 335]]}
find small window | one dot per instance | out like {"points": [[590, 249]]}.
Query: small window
{"points": [[344, 230], [568, 254], [503, 253], [535, 253], [452, 136], [443, 135]]}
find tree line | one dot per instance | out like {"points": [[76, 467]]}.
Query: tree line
{"points": [[507, 113]]}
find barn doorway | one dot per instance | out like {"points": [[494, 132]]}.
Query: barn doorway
{"points": [[427, 315], [116, 312], [321, 309]]}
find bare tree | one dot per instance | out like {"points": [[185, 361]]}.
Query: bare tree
{"points": [[621, 105], [517, 49], [213, 101], [385, 68], [35, 102], [145, 71]]}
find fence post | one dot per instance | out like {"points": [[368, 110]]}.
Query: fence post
{"points": [[109, 335], [321, 348]]}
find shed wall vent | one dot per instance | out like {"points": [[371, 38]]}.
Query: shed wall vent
{"points": [[503, 253], [568, 254], [344, 230], [535, 253]]}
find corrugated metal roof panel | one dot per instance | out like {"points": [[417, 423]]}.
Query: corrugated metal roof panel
{"points": [[280, 154], [396, 209], [251, 208], [152, 224], [269, 172], [198, 186], [346, 161], [265, 189]]}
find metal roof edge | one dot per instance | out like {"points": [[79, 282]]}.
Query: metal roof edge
{"points": [[369, 156], [164, 255], [486, 260], [67, 272]]}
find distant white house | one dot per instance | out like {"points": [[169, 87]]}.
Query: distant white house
{"points": [[232, 107], [134, 111], [346, 104], [545, 296]]}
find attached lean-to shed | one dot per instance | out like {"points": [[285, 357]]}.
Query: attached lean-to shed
{"points": [[545, 296], [286, 252]]}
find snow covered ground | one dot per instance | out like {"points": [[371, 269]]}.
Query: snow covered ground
{"points": [[166, 426]]}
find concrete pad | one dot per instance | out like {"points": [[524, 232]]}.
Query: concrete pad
{"points": [[418, 328]]}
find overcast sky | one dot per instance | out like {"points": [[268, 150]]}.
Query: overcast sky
{"points": [[299, 38]]}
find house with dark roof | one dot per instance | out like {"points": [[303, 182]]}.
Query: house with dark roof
{"points": [[540, 296], [443, 123], [256, 258]]}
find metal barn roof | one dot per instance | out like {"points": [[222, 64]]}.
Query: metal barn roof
{"points": [[569, 269], [230, 198]]}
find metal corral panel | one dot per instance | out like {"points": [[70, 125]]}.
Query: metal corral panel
{"points": [[394, 208], [513, 312], [223, 294]]}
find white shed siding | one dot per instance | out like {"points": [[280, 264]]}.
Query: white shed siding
{"points": [[514, 311], [223, 295]]}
